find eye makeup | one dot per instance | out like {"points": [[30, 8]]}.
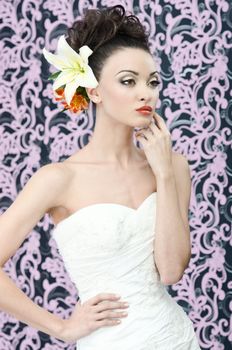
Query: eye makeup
{"points": [[154, 82]]}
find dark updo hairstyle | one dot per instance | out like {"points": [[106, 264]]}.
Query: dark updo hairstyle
{"points": [[106, 31]]}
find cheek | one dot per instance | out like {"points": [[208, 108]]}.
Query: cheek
{"points": [[122, 97], [117, 96]]}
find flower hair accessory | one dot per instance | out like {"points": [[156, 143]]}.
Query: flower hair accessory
{"points": [[73, 77]]}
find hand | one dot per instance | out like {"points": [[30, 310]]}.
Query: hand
{"points": [[156, 141], [94, 313]]}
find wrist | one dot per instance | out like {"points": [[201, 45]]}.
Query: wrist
{"points": [[165, 175], [63, 330], [59, 329], [68, 331]]}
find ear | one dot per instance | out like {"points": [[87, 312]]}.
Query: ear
{"points": [[93, 94]]}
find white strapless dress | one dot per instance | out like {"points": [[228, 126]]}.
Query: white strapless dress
{"points": [[108, 247]]}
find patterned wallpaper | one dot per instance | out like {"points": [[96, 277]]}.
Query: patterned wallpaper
{"points": [[191, 42]]}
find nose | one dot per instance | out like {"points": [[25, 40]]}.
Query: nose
{"points": [[145, 93]]}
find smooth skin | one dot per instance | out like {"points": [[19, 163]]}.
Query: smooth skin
{"points": [[43, 191], [109, 169]]}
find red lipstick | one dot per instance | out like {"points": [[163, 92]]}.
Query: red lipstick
{"points": [[144, 110]]}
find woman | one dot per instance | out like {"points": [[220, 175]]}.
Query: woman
{"points": [[121, 212]]}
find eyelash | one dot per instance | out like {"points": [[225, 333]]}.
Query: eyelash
{"points": [[157, 82]]}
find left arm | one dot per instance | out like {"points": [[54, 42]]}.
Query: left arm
{"points": [[172, 245]]}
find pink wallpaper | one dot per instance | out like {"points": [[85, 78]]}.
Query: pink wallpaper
{"points": [[192, 42]]}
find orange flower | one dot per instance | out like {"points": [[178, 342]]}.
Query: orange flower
{"points": [[78, 102], [59, 94]]}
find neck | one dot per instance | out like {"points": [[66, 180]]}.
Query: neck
{"points": [[112, 142]]}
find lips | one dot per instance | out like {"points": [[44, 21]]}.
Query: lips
{"points": [[144, 108]]}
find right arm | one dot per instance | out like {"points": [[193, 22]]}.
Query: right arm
{"points": [[41, 192]]}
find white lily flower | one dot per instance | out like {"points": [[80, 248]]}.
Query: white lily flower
{"points": [[74, 68]]}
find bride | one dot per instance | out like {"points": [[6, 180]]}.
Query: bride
{"points": [[120, 212]]}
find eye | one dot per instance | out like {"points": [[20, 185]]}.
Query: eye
{"points": [[155, 83], [124, 81]]}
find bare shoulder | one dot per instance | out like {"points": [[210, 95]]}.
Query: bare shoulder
{"points": [[41, 192], [56, 176], [58, 172], [52, 177]]}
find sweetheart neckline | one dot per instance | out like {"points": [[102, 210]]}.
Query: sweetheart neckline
{"points": [[102, 204]]}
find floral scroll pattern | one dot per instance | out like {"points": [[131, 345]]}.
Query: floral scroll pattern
{"points": [[191, 42]]}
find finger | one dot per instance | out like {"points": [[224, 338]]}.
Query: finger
{"points": [[110, 305], [160, 122], [102, 296], [110, 314], [141, 138], [107, 323], [155, 120], [145, 132], [138, 136], [153, 126]]}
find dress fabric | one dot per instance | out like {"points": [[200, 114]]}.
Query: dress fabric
{"points": [[108, 247]]}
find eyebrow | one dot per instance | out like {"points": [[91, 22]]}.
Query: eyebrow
{"points": [[136, 73]]}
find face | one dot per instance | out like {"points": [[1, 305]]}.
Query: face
{"points": [[129, 80]]}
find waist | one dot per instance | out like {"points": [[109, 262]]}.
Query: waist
{"points": [[146, 318], [134, 287], [133, 291]]}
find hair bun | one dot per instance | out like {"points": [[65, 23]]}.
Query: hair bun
{"points": [[105, 30]]}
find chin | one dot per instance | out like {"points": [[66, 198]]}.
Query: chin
{"points": [[144, 122]]}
